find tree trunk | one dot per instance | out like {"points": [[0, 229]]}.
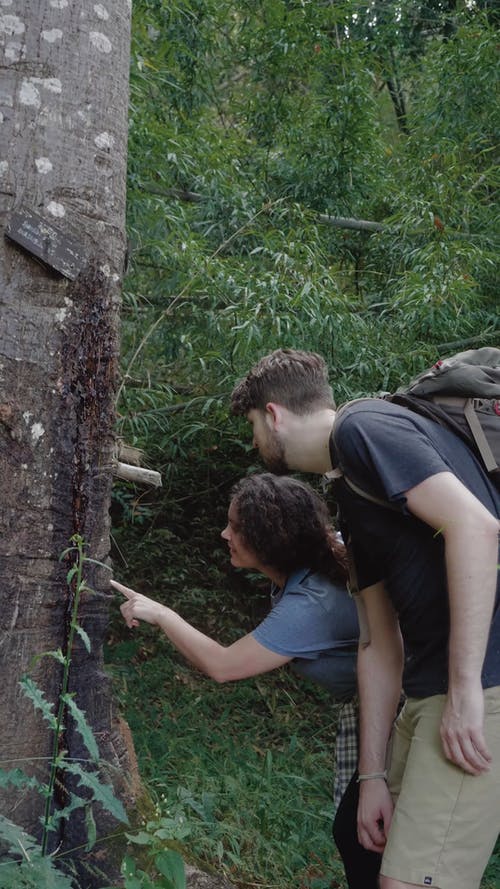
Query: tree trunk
{"points": [[63, 125]]}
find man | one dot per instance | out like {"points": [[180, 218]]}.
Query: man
{"points": [[426, 555]]}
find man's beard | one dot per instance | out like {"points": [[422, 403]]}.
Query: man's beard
{"points": [[274, 457]]}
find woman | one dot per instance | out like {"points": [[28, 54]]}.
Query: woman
{"points": [[280, 527]]}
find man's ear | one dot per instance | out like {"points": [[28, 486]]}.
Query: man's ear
{"points": [[274, 414]]}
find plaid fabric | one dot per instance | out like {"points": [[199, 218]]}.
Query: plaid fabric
{"points": [[346, 749]]}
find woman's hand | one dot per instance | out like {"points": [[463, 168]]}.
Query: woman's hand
{"points": [[137, 607]]}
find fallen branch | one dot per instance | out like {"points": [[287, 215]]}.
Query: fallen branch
{"points": [[137, 474]]}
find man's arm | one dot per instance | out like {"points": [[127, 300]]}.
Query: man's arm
{"points": [[380, 667], [470, 534]]}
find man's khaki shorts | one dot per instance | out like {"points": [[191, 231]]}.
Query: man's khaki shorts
{"points": [[446, 822]]}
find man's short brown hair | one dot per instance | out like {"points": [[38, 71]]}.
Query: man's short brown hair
{"points": [[297, 380]]}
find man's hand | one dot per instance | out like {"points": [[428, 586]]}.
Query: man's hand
{"points": [[137, 607], [374, 814], [462, 731], [470, 534]]}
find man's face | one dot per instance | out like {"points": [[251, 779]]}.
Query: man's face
{"points": [[267, 441]]}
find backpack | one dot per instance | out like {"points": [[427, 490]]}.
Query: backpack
{"points": [[461, 393]]}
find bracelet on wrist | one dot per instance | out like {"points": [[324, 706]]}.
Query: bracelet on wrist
{"points": [[371, 775]]}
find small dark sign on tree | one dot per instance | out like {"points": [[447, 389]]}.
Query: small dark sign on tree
{"points": [[39, 237]]}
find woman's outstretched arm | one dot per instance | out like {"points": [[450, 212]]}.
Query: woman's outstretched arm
{"points": [[245, 657]]}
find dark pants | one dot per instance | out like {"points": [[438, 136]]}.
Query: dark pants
{"points": [[361, 866]]}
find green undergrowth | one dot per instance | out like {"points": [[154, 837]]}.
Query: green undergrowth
{"points": [[241, 774]]}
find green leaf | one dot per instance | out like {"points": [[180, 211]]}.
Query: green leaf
{"points": [[63, 814], [82, 726], [84, 637], [128, 867], [17, 778], [102, 793], [133, 883], [15, 837], [71, 573], [140, 839], [133, 878], [57, 654], [33, 874], [37, 698], [171, 865], [96, 562], [30, 868], [65, 552], [177, 830], [91, 828]]}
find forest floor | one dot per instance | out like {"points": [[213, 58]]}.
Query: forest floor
{"points": [[240, 775]]}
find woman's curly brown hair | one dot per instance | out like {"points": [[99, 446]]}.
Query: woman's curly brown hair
{"points": [[287, 525]]}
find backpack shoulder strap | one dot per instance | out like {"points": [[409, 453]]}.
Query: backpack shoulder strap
{"points": [[337, 471], [340, 413], [482, 442]]}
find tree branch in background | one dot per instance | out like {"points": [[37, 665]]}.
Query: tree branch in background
{"points": [[180, 194], [361, 225], [397, 97]]}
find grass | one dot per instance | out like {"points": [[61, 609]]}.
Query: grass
{"points": [[240, 774]]}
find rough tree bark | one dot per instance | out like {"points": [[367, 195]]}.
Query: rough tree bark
{"points": [[63, 130]]}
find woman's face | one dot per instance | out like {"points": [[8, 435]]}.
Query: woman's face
{"points": [[242, 556]]}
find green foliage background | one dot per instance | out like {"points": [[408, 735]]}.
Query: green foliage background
{"points": [[253, 125]]}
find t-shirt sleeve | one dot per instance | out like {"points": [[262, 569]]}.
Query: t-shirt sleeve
{"points": [[300, 626], [388, 451]]}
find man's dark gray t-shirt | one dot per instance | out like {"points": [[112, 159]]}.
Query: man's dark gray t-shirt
{"points": [[387, 450]]}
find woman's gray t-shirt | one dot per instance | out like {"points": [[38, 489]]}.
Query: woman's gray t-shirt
{"points": [[314, 621]]}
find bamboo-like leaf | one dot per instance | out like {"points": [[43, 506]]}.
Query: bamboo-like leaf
{"points": [[38, 699], [102, 793], [83, 727], [96, 562], [66, 552], [71, 573]]}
